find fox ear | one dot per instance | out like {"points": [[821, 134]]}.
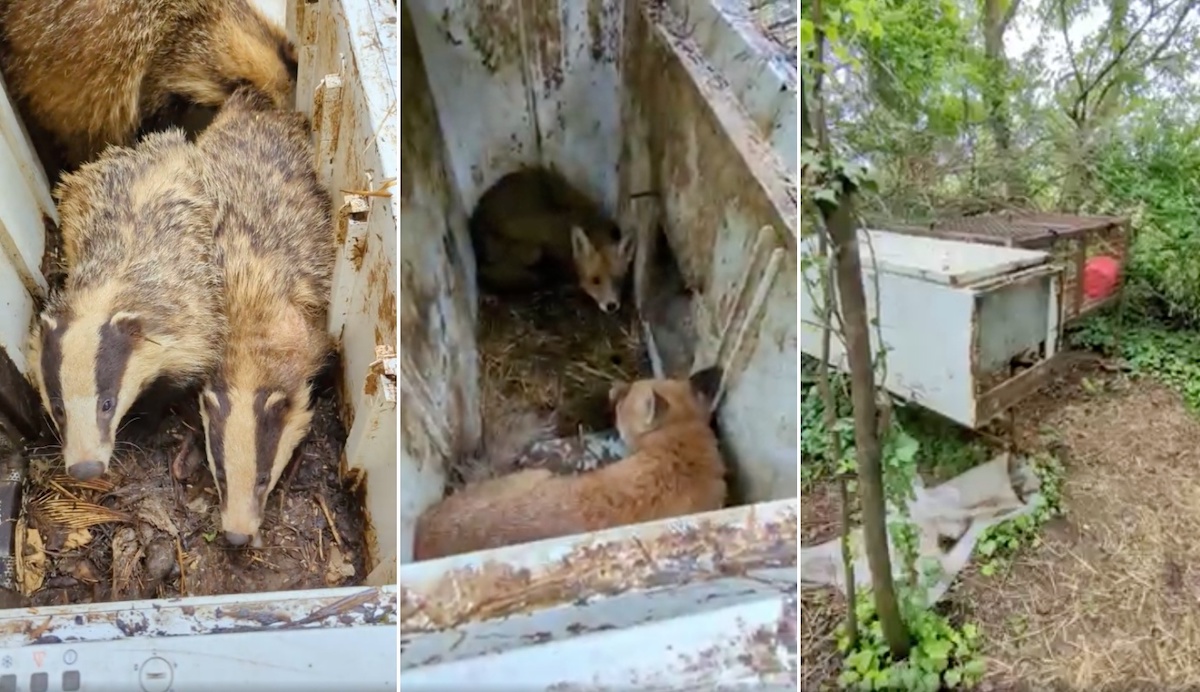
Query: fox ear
{"points": [[626, 248], [656, 408], [581, 245], [617, 392], [706, 382]]}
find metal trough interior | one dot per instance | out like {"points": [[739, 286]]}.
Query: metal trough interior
{"points": [[672, 117]]}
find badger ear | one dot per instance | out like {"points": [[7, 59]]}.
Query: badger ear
{"points": [[128, 323], [276, 401], [49, 324]]}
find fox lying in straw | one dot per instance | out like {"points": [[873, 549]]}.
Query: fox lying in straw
{"points": [[674, 468]]}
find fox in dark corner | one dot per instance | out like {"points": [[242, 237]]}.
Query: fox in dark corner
{"points": [[533, 229]]}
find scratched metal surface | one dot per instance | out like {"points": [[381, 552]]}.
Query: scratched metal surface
{"points": [[749, 44], [347, 85], [342, 607], [700, 601]]}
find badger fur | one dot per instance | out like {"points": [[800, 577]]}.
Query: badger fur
{"points": [[89, 72], [274, 244], [141, 298]]}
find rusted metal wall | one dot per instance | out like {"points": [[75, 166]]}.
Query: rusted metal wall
{"points": [[519, 82], [439, 413], [727, 205], [347, 85], [693, 601]]}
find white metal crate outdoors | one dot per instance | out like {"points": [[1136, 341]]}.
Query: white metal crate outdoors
{"points": [[952, 316], [325, 639]]}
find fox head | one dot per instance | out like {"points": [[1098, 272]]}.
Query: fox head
{"points": [[601, 267], [645, 406]]}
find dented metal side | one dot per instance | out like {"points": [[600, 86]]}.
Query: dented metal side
{"points": [[439, 414], [727, 205], [348, 85], [712, 594], [342, 607]]}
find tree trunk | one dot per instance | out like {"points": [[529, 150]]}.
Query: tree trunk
{"points": [[997, 15], [843, 231]]}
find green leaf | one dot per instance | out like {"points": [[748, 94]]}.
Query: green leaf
{"points": [[952, 677]]}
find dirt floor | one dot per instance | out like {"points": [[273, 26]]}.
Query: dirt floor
{"points": [[1110, 598], [151, 526]]}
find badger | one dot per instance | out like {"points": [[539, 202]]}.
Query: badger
{"points": [[274, 244], [88, 73], [141, 301]]}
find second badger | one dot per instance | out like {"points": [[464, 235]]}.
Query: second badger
{"points": [[274, 247]]}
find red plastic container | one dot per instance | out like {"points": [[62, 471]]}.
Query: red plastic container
{"points": [[1100, 276]]}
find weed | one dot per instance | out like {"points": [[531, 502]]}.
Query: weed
{"points": [[1000, 543], [942, 656]]}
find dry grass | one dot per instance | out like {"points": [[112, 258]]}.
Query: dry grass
{"points": [[555, 352], [1110, 598], [821, 610]]}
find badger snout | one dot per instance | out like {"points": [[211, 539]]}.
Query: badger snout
{"points": [[237, 539], [86, 470], [609, 306]]}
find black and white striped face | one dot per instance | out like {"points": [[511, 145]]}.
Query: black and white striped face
{"points": [[89, 369], [251, 434]]}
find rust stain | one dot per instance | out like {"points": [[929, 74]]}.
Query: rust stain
{"points": [[701, 552], [387, 315], [494, 31], [699, 144], [546, 38], [603, 27], [358, 252], [418, 117]]}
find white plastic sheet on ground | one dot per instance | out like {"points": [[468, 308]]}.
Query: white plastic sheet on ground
{"points": [[959, 510]]}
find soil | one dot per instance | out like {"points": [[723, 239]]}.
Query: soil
{"points": [[1108, 599], [156, 519]]}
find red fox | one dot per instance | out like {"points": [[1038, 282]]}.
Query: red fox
{"points": [[674, 468], [533, 228]]}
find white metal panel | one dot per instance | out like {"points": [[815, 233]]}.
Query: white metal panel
{"points": [[16, 311], [949, 262], [518, 82], [728, 209], [296, 660], [927, 330], [721, 582], [759, 74], [22, 151], [355, 40], [198, 615], [345, 635], [439, 370]]}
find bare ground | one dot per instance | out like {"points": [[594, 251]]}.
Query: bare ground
{"points": [[1111, 597]]}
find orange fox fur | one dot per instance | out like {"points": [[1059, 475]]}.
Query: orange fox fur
{"points": [[674, 468]]}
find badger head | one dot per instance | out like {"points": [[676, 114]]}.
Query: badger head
{"points": [[256, 412], [89, 368]]}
